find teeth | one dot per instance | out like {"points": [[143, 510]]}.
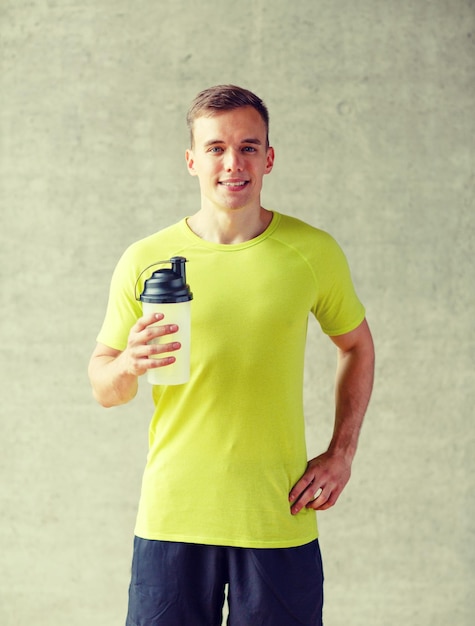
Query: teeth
{"points": [[241, 184]]}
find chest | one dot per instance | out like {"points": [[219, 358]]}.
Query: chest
{"points": [[250, 292]]}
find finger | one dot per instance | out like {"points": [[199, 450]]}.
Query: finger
{"points": [[160, 362], [146, 320], [151, 333], [318, 499], [145, 351], [300, 487], [308, 496], [324, 501], [155, 360], [160, 348], [143, 357]]}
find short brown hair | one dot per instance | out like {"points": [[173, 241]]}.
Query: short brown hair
{"points": [[225, 98]]}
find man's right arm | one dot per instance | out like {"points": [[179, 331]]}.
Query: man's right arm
{"points": [[114, 374]]}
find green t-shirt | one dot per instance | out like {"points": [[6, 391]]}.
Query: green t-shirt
{"points": [[226, 448]]}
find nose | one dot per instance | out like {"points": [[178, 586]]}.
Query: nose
{"points": [[233, 161]]}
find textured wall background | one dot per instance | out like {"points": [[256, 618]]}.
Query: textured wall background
{"points": [[373, 121]]}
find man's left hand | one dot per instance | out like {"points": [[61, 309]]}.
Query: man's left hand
{"points": [[320, 487]]}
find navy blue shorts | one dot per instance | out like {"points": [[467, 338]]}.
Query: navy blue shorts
{"points": [[180, 584]]}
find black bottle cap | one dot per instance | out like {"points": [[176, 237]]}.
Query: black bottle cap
{"points": [[168, 284]]}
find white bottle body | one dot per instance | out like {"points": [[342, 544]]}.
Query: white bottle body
{"points": [[178, 313]]}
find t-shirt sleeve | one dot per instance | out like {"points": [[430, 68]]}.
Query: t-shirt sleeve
{"points": [[123, 310], [337, 307]]}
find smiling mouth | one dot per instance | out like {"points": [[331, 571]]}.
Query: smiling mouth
{"points": [[234, 184]]}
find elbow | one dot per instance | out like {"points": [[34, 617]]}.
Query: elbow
{"points": [[101, 399], [108, 399], [105, 403]]}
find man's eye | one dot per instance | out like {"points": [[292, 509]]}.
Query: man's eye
{"points": [[215, 149], [249, 149]]}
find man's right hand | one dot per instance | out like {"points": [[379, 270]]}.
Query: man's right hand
{"points": [[114, 373], [141, 353]]}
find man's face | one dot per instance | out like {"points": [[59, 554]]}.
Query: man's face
{"points": [[230, 158]]}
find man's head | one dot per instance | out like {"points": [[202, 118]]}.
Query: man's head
{"points": [[224, 98]]}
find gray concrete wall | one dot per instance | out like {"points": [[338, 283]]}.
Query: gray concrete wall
{"points": [[373, 121]]}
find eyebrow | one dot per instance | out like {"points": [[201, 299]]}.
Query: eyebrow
{"points": [[251, 140]]}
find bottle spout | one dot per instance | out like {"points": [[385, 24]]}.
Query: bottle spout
{"points": [[178, 266]]}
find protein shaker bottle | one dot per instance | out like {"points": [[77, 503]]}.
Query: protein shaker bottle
{"points": [[166, 292]]}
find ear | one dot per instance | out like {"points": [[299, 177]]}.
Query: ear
{"points": [[190, 162], [270, 160]]}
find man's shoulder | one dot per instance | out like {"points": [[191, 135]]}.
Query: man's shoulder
{"points": [[163, 241], [295, 230], [165, 233]]}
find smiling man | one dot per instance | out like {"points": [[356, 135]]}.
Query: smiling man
{"points": [[228, 494], [230, 156]]}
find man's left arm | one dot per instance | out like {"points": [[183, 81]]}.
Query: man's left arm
{"points": [[327, 475]]}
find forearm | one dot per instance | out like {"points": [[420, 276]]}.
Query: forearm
{"points": [[354, 383], [112, 384], [327, 474]]}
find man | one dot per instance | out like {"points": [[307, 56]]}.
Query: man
{"points": [[228, 496]]}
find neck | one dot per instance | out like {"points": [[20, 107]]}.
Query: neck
{"points": [[230, 227]]}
